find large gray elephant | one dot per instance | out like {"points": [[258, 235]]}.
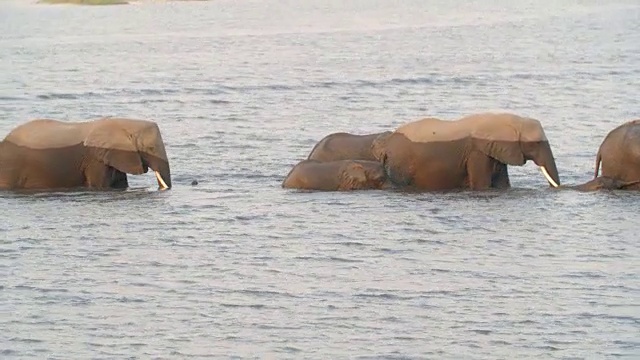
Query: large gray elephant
{"points": [[469, 153], [619, 154], [336, 175], [344, 146], [47, 154]]}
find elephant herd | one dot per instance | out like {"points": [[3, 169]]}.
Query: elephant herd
{"points": [[425, 155], [469, 153]]}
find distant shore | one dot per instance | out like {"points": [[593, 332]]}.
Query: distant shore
{"points": [[85, 2], [99, 2]]}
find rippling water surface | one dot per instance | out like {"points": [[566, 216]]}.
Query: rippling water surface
{"points": [[237, 266]]}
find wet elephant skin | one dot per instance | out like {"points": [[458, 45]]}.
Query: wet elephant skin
{"points": [[457, 164], [66, 167], [438, 165]]}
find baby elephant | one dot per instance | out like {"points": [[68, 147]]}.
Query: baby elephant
{"points": [[344, 146], [606, 183], [337, 175]]}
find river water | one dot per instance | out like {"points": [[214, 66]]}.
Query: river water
{"points": [[237, 267]]}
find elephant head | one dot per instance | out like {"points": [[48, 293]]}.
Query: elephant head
{"points": [[363, 175], [379, 144], [513, 140], [130, 146], [336, 175]]}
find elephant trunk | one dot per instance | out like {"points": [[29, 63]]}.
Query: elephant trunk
{"points": [[161, 169], [604, 182], [163, 175], [544, 158]]}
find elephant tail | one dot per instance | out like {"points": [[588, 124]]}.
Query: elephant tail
{"points": [[598, 160]]}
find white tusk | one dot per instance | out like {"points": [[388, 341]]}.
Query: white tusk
{"points": [[548, 177], [163, 185]]}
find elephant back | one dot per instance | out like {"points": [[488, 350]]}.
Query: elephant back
{"points": [[619, 152], [432, 130], [504, 127], [487, 126], [47, 134]]}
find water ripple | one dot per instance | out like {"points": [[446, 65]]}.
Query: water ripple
{"points": [[240, 263]]}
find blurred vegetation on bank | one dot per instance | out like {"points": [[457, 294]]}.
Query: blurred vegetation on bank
{"points": [[86, 2]]}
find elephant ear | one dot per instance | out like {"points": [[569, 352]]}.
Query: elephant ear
{"points": [[501, 142], [116, 148], [354, 176], [378, 145]]}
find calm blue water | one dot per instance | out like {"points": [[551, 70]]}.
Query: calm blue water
{"points": [[237, 266]]}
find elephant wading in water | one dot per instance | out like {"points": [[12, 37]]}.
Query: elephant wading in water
{"points": [[49, 154], [344, 146], [470, 153], [619, 155], [336, 175]]}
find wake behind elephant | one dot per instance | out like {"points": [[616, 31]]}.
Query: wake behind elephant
{"points": [[470, 153], [619, 154], [336, 175], [344, 146], [48, 154]]}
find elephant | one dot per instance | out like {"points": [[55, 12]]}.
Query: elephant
{"points": [[603, 183], [337, 175], [344, 146], [619, 154], [47, 154], [470, 153]]}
